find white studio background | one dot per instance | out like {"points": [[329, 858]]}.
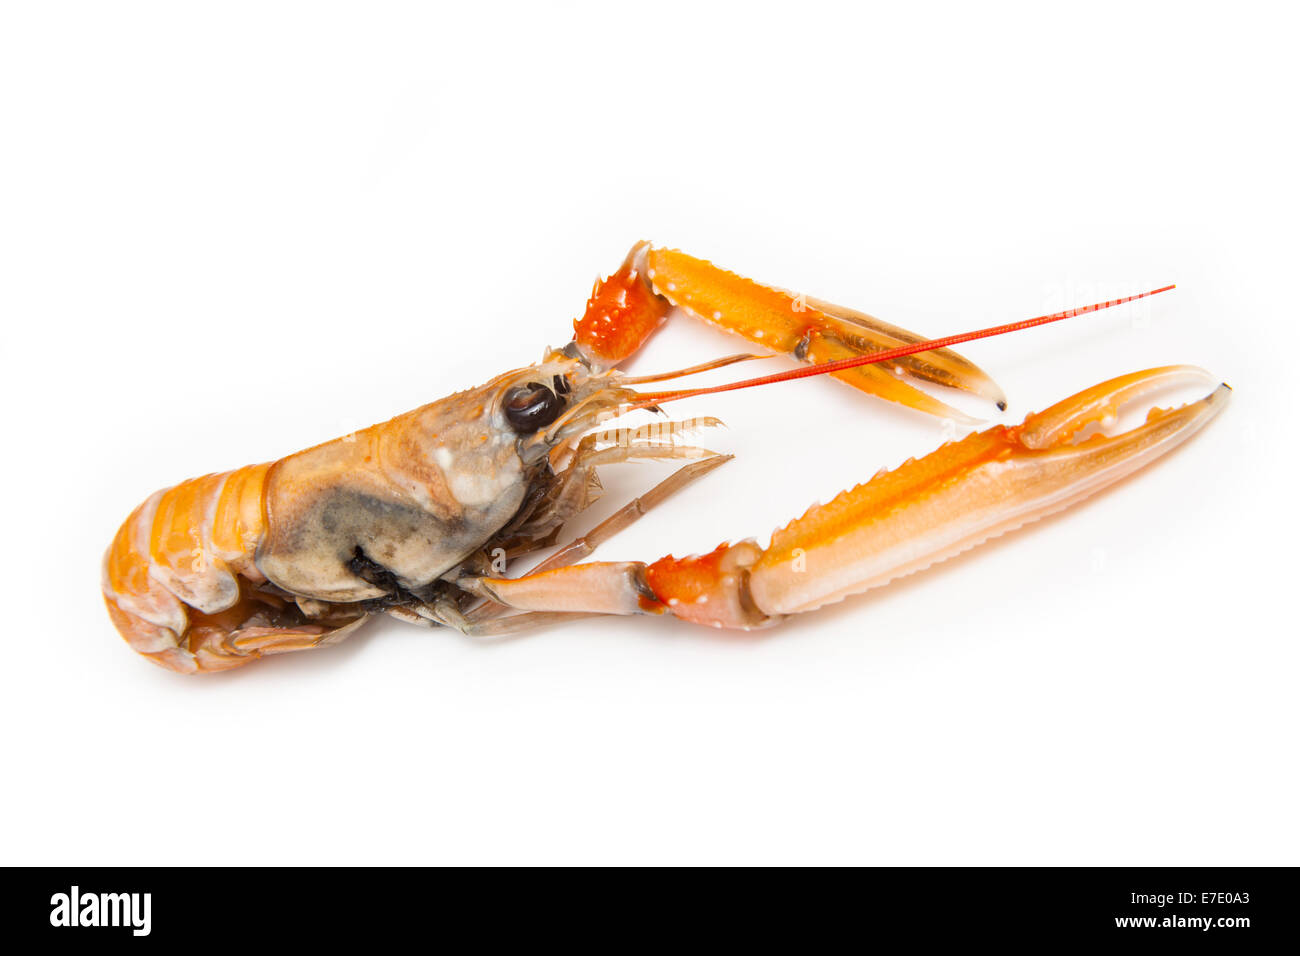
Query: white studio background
{"points": [[230, 231]]}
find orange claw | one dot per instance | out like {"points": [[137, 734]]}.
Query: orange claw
{"points": [[968, 491], [814, 331], [625, 309]]}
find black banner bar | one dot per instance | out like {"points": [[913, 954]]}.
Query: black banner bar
{"points": [[1229, 906]]}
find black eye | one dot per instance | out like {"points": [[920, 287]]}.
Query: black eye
{"points": [[532, 406]]}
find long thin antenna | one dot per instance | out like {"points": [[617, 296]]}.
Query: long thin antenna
{"points": [[647, 399], [692, 370]]}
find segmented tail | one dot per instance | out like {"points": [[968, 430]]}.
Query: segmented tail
{"points": [[181, 585]]}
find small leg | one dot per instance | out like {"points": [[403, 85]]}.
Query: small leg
{"points": [[492, 627], [577, 485], [528, 621], [216, 649], [629, 514]]}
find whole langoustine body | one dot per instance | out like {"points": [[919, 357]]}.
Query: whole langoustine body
{"points": [[265, 559], [419, 516]]}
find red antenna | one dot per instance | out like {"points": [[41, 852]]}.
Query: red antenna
{"points": [[647, 399]]}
